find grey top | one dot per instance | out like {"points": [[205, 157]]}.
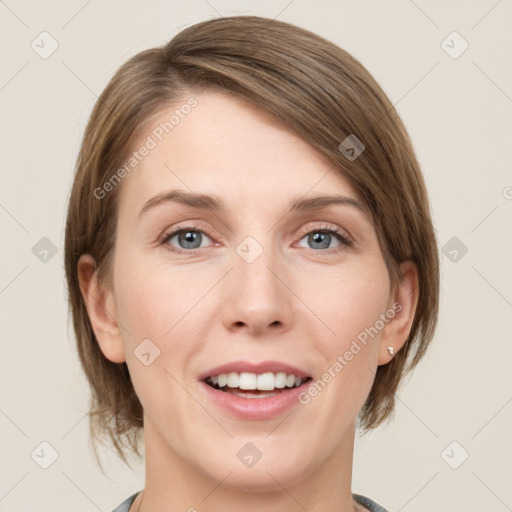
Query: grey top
{"points": [[362, 500]]}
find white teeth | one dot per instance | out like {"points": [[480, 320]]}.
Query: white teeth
{"points": [[233, 380], [280, 380], [264, 381]]}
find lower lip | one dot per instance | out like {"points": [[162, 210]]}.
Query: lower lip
{"points": [[255, 408]]}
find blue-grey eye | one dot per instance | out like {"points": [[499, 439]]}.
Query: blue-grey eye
{"points": [[322, 240], [188, 238]]}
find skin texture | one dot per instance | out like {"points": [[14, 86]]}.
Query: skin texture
{"points": [[295, 303]]}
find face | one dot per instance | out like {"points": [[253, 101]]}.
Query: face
{"points": [[250, 291]]}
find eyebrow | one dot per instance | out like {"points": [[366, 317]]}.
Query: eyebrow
{"points": [[215, 203]]}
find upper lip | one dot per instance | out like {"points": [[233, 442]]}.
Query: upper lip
{"points": [[262, 367]]}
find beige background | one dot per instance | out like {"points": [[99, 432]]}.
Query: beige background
{"points": [[458, 113]]}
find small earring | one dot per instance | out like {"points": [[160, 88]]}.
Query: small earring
{"points": [[391, 351]]}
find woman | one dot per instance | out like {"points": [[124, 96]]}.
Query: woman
{"points": [[252, 267]]}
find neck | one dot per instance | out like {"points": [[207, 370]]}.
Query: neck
{"points": [[172, 483]]}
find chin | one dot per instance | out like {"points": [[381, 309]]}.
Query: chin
{"points": [[272, 467]]}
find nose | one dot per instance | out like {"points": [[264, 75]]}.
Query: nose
{"points": [[258, 297]]}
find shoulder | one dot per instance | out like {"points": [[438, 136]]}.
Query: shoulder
{"points": [[125, 506], [368, 503]]}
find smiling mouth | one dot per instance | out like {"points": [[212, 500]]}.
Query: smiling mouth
{"points": [[251, 385]]}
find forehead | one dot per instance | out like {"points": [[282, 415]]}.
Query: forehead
{"points": [[226, 147]]}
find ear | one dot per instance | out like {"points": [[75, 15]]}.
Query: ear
{"points": [[99, 301], [403, 303]]}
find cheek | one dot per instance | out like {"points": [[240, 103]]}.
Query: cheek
{"points": [[160, 304], [352, 300], [154, 300], [156, 307], [350, 306]]}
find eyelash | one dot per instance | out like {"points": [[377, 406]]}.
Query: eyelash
{"points": [[166, 237]]}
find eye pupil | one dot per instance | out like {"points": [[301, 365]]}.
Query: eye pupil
{"points": [[322, 238], [190, 237]]}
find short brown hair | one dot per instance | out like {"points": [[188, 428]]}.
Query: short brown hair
{"points": [[315, 89]]}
